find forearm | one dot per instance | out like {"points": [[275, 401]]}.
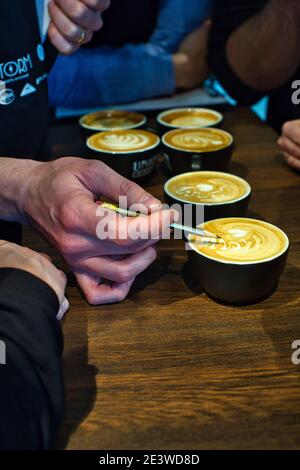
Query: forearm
{"points": [[264, 51], [14, 177]]}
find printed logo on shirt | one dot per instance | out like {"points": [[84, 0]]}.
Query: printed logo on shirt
{"points": [[40, 52], [7, 96], [16, 69], [27, 90]]}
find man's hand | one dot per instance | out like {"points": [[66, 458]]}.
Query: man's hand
{"points": [[73, 22], [190, 62], [289, 142], [38, 264], [59, 198]]}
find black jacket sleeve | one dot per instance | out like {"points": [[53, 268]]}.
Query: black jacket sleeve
{"points": [[31, 386]]}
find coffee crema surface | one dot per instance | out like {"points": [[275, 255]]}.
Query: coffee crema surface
{"points": [[207, 187], [190, 118], [123, 141], [243, 241], [198, 140], [112, 120]]}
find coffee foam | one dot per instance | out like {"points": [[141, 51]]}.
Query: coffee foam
{"points": [[112, 120], [190, 118], [129, 141], [207, 187], [243, 241], [197, 140]]}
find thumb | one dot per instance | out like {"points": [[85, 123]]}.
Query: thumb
{"points": [[103, 181]]}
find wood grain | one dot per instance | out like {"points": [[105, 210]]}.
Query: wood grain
{"points": [[169, 368]]}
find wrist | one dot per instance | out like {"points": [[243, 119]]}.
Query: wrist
{"points": [[23, 187]]}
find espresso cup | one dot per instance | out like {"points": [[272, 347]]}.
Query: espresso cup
{"points": [[211, 194], [110, 120], [198, 149], [245, 265], [188, 118], [132, 153]]}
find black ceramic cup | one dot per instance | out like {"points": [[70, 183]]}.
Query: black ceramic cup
{"points": [[111, 120], [210, 194], [132, 153], [188, 118], [198, 149], [240, 281]]}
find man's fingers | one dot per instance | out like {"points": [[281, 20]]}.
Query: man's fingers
{"points": [[291, 130], [97, 5], [98, 292], [102, 180], [292, 162], [289, 147], [60, 42], [81, 14], [68, 29], [119, 271]]}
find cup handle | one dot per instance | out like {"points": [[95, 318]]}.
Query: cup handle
{"points": [[196, 162]]}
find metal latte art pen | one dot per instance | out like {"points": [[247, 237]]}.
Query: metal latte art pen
{"points": [[193, 231]]}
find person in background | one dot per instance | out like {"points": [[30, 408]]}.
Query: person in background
{"points": [[254, 52], [145, 49], [32, 301], [289, 143]]}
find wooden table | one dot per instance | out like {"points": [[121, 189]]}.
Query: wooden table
{"points": [[170, 369]]}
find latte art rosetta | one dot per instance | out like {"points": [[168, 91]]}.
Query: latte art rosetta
{"points": [[207, 187], [198, 140], [123, 141], [243, 240]]}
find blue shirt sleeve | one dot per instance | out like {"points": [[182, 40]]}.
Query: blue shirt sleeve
{"points": [[105, 76]]}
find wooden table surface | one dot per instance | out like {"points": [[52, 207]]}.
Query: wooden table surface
{"points": [[170, 369]]}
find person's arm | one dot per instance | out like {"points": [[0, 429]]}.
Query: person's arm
{"points": [[264, 52], [104, 76], [31, 392], [254, 47]]}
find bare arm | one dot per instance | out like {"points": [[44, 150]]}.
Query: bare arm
{"points": [[14, 175], [264, 51]]}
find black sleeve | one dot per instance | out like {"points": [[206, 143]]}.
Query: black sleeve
{"points": [[31, 387], [227, 17]]}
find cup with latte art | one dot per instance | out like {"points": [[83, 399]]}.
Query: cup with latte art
{"points": [[132, 153], [198, 149], [111, 120], [188, 118], [245, 265], [218, 194]]}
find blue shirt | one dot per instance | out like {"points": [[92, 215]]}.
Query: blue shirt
{"points": [[105, 75]]}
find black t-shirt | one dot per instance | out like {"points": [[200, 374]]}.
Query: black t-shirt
{"points": [[24, 63], [228, 16]]}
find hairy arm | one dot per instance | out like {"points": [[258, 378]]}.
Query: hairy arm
{"points": [[14, 174], [264, 51]]}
